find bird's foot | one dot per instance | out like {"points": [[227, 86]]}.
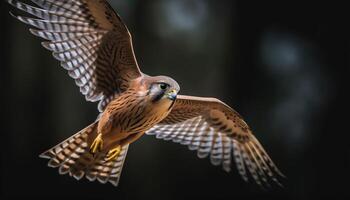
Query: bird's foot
{"points": [[97, 144], [113, 153]]}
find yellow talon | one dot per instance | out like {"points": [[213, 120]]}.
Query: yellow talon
{"points": [[97, 144], [113, 153]]}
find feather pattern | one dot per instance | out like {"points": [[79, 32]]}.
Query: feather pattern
{"points": [[90, 41], [95, 47], [218, 132], [72, 157]]}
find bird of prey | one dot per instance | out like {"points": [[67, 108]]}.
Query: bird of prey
{"points": [[95, 47]]}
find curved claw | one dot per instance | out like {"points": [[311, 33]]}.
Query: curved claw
{"points": [[113, 153], [97, 144]]}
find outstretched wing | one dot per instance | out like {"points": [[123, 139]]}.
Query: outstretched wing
{"points": [[213, 128], [91, 42]]}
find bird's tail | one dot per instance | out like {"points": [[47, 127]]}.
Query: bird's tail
{"points": [[73, 157]]}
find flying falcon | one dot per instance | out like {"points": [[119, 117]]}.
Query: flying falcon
{"points": [[95, 47]]}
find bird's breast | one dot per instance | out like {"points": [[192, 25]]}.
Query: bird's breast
{"points": [[135, 115]]}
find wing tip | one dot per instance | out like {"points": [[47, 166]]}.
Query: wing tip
{"points": [[13, 15], [12, 2], [46, 45], [34, 32]]}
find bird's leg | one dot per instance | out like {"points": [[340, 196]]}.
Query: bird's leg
{"points": [[97, 144], [113, 153]]}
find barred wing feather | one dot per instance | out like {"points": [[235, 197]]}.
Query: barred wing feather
{"points": [[214, 129], [89, 39]]}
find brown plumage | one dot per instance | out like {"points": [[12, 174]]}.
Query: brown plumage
{"points": [[95, 47]]}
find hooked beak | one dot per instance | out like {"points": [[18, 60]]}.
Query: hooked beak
{"points": [[172, 95]]}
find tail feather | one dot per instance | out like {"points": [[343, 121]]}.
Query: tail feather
{"points": [[107, 171], [72, 157]]}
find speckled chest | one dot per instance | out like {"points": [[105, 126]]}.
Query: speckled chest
{"points": [[138, 115]]}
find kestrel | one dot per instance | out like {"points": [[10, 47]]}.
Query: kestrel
{"points": [[95, 47]]}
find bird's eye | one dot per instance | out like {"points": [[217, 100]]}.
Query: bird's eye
{"points": [[162, 86]]}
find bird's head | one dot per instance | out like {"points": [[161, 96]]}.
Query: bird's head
{"points": [[162, 88]]}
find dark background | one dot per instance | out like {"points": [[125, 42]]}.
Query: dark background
{"points": [[283, 65]]}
